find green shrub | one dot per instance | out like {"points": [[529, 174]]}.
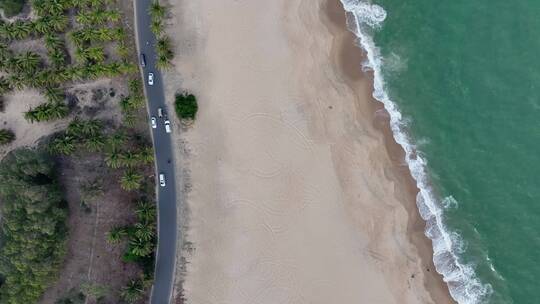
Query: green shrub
{"points": [[6, 136], [12, 7], [186, 106]]}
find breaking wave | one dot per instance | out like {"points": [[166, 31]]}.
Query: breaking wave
{"points": [[463, 283]]}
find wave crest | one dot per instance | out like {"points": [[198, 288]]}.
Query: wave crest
{"points": [[462, 281]]}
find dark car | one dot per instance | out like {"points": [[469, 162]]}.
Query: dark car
{"points": [[143, 60]]}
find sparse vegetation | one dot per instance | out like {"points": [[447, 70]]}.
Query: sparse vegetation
{"points": [[32, 228], [186, 106]]}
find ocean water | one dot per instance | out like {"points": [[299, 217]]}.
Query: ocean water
{"points": [[461, 81]]}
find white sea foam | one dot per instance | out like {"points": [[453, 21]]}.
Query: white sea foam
{"points": [[464, 285]]}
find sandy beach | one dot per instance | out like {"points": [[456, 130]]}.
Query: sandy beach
{"points": [[296, 192]]}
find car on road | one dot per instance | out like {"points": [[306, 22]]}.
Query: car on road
{"points": [[162, 180], [160, 112], [167, 126], [143, 60], [153, 120], [150, 78]]}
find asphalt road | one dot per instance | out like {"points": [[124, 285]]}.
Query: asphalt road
{"points": [[166, 248]]}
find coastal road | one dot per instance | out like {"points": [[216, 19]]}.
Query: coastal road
{"points": [[166, 196]]}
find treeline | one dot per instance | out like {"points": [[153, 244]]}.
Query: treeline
{"points": [[140, 249], [164, 52], [33, 230]]}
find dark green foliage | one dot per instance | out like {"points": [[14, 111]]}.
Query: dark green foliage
{"points": [[186, 106], [33, 228], [12, 7], [6, 136], [72, 297]]}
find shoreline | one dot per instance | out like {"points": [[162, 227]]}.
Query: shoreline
{"points": [[348, 55]]}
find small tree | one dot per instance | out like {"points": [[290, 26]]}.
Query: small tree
{"points": [[6, 136], [131, 180], [115, 235], [133, 291], [186, 106]]}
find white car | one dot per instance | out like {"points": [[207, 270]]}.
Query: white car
{"points": [[162, 180], [153, 120], [160, 112], [150, 78], [167, 126]]}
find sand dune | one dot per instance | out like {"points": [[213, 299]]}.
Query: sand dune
{"points": [[294, 195]]}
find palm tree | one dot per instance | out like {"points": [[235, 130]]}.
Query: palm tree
{"points": [[115, 235], [156, 10], [133, 291], [122, 49], [130, 159], [95, 143], [146, 212], [164, 53], [6, 136], [135, 86], [140, 247], [46, 111], [144, 231], [163, 45], [63, 145], [163, 62], [5, 52], [91, 127], [16, 81], [131, 180], [41, 25], [20, 29], [116, 140], [156, 26], [146, 155], [53, 41], [58, 58], [54, 94], [114, 159], [5, 85], [58, 22], [27, 61]]}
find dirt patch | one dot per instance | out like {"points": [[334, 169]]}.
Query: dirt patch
{"points": [[97, 99], [89, 257]]}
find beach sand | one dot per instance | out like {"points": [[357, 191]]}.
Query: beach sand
{"points": [[295, 190]]}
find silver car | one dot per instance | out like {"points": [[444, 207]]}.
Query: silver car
{"points": [[162, 180], [167, 126]]}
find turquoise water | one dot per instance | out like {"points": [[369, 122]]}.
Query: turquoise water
{"points": [[461, 80]]}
